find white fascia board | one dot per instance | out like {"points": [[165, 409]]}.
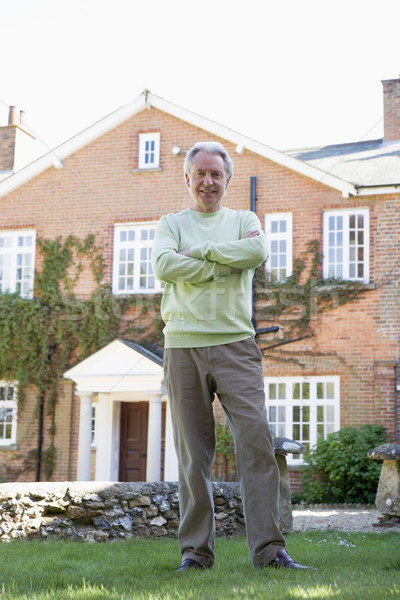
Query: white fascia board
{"points": [[71, 146], [257, 147], [378, 191], [114, 383]]}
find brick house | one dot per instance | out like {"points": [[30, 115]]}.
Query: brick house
{"points": [[115, 180]]}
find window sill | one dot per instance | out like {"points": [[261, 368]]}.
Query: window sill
{"points": [[8, 447], [149, 170]]}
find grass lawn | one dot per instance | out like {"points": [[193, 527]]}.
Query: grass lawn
{"points": [[351, 566]]}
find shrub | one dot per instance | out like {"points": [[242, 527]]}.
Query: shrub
{"points": [[338, 468]]}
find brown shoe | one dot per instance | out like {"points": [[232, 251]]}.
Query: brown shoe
{"points": [[284, 561], [189, 563]]}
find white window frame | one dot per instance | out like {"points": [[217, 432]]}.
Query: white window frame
{"points": [[17, 261], [343, 249], [129, 252], [94, 418], [149, 158], [321, 418], [8, 407], [274, 223]]}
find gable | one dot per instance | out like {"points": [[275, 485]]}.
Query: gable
{"points": [[146, 101], [116, 359]]}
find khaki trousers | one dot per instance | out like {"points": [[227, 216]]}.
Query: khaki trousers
{"points": [[234, 373]]}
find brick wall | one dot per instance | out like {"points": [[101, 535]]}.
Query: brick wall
{"points": [[98, 188]]}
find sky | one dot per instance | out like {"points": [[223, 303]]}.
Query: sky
{"points": [[288, 73]]}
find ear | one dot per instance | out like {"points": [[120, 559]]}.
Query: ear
{"points": [[187, 179], [227, 183]]}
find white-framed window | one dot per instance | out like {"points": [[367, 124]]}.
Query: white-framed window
{"points": [[132, 269], [149, 150], [8, 413], [346, 244], [17, 261], [94, 408], [278, 229], [303, 409]]}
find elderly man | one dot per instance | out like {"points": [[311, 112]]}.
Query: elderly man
{"points": [[206, 255]]}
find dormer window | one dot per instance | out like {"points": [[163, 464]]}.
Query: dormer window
{"points": [[149, 150]]}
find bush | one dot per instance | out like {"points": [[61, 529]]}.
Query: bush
{"points": [[338, 468]]}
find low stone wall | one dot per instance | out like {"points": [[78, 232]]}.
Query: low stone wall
{"points": [[101, 511]]}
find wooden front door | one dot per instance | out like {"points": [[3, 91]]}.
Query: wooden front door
{"points": [[133, 445]]}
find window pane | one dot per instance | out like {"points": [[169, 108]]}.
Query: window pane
{"points": [[296, 432], [281, 413], [306, 391], [296, 413], [296, 391], [272, 391], [282, 391], [272, 413], [330, 389], [330, 413], [320, 390], [306, 413]]}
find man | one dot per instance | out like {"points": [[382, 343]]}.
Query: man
{"points": [[206, 255]]}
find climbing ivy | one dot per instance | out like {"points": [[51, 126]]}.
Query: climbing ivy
{"points": [[41, 338], [296, 303]]}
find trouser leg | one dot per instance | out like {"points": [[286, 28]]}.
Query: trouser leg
{"points": [[190, 397], [237, 369]]}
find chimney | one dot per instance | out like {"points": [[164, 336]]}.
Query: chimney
{"points": [[13, 116], [391, 110], [17, 145]]}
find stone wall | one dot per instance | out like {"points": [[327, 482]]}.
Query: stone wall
{"points": [[101, 511]]}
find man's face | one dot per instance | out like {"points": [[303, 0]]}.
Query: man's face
{"points": [[207, 181]]}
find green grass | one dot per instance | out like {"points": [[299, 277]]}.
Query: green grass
{"points": [[351, 566]]}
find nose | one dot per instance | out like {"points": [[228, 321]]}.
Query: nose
{"points": [[208, 180]]}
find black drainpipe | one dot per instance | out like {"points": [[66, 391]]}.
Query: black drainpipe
{"points": [[253, 201], [397, 402], [40, 437]]}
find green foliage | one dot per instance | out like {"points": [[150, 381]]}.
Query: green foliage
{"points": [[338, 468], [296, 302], [41, 338], [224, 462]]}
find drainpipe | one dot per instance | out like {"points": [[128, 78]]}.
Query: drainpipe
{"points": [[397, 402], [253, 201], [40, 437]]}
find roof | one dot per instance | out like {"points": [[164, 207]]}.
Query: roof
{"points": [[146, 100], [363, 164], [147, 353]]}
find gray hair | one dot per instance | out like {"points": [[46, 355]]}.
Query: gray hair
{"points": [[211, 148]]}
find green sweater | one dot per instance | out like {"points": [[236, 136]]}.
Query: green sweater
{"points": [[203, 303]]}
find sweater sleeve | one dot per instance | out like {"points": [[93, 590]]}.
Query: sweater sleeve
{"points": [[170, 267], [245, 253]]}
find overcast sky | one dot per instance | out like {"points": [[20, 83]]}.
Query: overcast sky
{"points": [[289, 73]]}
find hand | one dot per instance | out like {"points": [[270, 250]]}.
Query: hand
{"points": [[251, 234], [185, 252]]}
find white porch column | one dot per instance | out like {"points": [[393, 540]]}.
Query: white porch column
{"points": [[153, 466], [85, 437], [170, 458]]}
